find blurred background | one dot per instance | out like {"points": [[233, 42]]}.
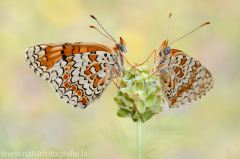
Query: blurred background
{"points": [[33, 118]]}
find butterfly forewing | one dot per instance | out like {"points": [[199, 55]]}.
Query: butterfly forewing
{"points": [[78, 72]]}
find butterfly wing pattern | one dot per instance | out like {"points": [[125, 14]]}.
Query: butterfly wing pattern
{"points": [[78, 72], [189, 80], [183, 78]]}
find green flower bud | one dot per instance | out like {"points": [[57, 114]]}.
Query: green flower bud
{"points": [[140, 97]]}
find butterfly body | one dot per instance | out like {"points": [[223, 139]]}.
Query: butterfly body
{"points": [[79, 72], [183, 78]]}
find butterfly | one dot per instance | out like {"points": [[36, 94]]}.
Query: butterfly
{"points": [[79, 72], [182, 77]]}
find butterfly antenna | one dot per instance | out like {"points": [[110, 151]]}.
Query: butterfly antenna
{"points": [[100, 32], [168, 24], [103, 28], [190, 32]]}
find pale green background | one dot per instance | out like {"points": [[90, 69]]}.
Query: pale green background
{"points": [[34, 119]]}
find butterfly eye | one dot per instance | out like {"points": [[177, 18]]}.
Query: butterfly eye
{"points": [[122, 48], [166, 50]]}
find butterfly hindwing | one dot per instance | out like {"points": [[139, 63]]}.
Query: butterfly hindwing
{"points": [[81, 80], [78, 77], [189, 80], [208, 84]]}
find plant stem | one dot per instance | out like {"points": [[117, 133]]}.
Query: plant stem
{"points": [[139, 138]]}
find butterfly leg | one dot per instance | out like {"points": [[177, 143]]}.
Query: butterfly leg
{"points": [[129, 62], [160, 66], [163, 100], [155, 60], [114, 68], [116, 84], [167, 82], [154, 51], [155, 57]]}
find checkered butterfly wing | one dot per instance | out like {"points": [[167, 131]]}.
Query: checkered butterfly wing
{"points": [[78, 72], [190, 80]]}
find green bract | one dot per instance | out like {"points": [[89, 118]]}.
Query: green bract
{"points": [[140, 97]]}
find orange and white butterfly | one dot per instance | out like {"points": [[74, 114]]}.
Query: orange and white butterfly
{"points": [[79, 72], [182, 77]]}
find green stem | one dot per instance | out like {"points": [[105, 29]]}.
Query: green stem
{"points": [[139, 138]]}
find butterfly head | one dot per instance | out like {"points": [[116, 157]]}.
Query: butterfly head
{"points": [[164, 49], [122, 46]]}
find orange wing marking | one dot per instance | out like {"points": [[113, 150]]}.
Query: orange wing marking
{"points": [[183, 89], [92, 77], [189, 87], [97, 66], [97, 80], [174, 51], [183, 61], [66, 85], [174, 100], [181, 73], [103, 80], [79, 93], [84, 100], [74, 88], [65, 77], [87, 71], [54, 54], [93, 58], [177, 69]]}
